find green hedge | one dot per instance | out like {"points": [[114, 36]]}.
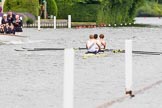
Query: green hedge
{"points": [[31, 6], [52, 7], [114, 12], [79, 12]]}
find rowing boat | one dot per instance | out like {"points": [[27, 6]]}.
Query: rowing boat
{"points": [[89, 55]]}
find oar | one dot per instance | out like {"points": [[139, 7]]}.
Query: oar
{"points": [[111, 50], [41, 49], [44, 49], [134, 52], [146, 53]]}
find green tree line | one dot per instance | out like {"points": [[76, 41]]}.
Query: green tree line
{"points": [[151, 8], [30, 6], [100, 11]]}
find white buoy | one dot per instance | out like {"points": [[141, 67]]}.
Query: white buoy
{"points": [[0, 20], [54, 22], [128, 67], [69, 21], [38, 23], [109, 24], [68, 97]]}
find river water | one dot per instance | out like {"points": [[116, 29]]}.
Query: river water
{"points": [[35, 79]]}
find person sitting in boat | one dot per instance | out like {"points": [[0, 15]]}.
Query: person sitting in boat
{"points": [[4, 19], [96, 38], [98, 42], [7, 29], [17, 24], [12, 29], [10, 17], [92, 45], [102, 41], [2, 28]]}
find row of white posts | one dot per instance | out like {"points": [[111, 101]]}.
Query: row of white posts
{"points": [[69, 74], [54, 22]]}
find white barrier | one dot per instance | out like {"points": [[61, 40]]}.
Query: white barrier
{"points": [[39, 23], [128, 67], [68, 78], [0, 20], [69, 21], [54, 22]]}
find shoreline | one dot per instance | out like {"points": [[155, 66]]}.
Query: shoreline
{"points": [[63, 23]]}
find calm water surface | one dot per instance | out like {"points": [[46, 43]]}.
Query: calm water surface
{"points": [[35, 79]]}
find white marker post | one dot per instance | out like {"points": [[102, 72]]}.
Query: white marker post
{"points": [[54, 22], [39, 23], [0, 20], [128, 67], [69, 21], [68, 78]]}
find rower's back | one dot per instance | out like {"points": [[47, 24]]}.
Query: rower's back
{"points": [[102, 41], [91, 45]]}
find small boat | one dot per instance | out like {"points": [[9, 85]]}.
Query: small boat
{"points": [[89, 55], [10, 38]]}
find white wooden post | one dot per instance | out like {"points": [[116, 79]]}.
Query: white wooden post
{"points": [[68, 78], [0, 20], [2, 5], [128, 67], [54, 23], [69, 21], [39, 23]]}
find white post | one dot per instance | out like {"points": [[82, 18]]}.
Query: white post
{"points": [[3, 5], [0, 20], [128, 67], [69, 21], [54, 23], [39, 23], [68, 78]]}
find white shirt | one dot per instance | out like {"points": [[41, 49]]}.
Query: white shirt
{"points": [[92, 46]]}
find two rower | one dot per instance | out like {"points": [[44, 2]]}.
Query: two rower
{"points": [[95, 45]]}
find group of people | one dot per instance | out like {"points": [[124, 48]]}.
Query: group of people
{"points": [[95, 45], [10, 23]]}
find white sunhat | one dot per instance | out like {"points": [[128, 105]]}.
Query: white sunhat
{"points": [[4, 14]]}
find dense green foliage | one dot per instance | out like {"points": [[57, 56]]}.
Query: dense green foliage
{"points": [[151, 8], [52, 7], [31, 6], [118, 11], [79, 12], [101, 11]]}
